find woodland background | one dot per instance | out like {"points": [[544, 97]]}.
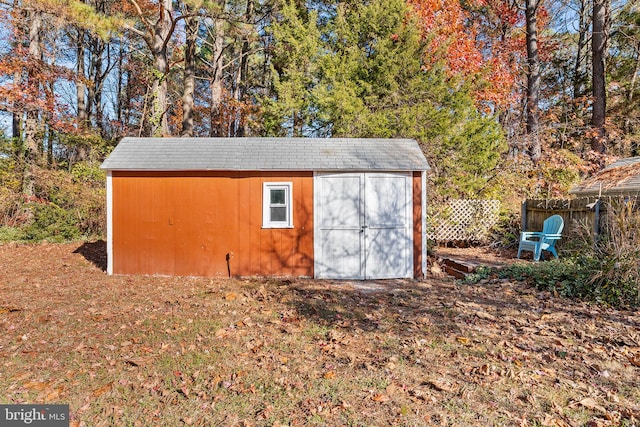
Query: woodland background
{"points": [[508, 98]]}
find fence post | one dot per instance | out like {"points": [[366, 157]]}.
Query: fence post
{"points": [[524, 216], [596, 222]]}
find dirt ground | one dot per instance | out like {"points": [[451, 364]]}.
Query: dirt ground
{"points": [[143, 350], [480, 255]]}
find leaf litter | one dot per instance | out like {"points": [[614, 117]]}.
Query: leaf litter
{"points": [[141, 350]]}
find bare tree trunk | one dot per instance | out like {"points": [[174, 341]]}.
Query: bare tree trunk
{"points": [[81, 89], [243, 126], [120, 95], [50, 158], [81, 86], [634, 76], [31, 124], [298, 124], [598, 46], [18, 110], [128, 92], [97, 74], [157, 120], [47, 117], [123, 109], [578, 71], [102, 70], [16, 117], [49, 93], [533, 80], [191, 27], [215, 113], [630, 93]]}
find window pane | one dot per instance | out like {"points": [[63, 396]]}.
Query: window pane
{"points": [[277, 205], [279, 213], [278, 196]]}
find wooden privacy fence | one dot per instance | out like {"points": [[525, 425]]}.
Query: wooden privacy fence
{"points": [[579, 215], [462, 220]]}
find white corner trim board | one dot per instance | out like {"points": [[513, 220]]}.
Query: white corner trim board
{"points": [[423, 221], [109, 223]]}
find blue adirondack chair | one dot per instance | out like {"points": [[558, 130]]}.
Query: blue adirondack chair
{"points": [[537, 241]]}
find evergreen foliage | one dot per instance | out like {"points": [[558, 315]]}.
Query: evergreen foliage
{"points": [[295, 57], [372, 81]]}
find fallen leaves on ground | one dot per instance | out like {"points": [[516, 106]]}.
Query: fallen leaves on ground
{"points": [[202, 351]]}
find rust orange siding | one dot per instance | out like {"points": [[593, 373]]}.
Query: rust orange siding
{"points": [[208, 224]]}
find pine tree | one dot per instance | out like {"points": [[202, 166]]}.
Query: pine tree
{"points": [[375, 83], [295, 57]]}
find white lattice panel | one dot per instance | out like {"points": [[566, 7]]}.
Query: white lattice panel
{"points": [[463, 220]]}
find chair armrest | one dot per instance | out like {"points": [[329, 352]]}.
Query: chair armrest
{"points": [[553, 236], [525, 234]]}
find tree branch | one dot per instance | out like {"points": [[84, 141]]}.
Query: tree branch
{"points": [[141, 15]]}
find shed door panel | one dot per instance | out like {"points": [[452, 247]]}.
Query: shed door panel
{"points": [[363, 226], [339, 225], [388, 226]]}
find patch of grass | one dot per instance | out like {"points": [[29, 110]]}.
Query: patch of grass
{"points": [[316, 331], [11, 234]]}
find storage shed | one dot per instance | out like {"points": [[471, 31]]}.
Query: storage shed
{"points": [[621, 178], [323, 208]]}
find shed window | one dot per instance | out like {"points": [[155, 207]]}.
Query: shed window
{"points": [[276, 205]]}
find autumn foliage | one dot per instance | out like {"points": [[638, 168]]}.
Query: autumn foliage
{"points": [[481, 43]]}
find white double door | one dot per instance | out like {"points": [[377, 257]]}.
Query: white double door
{"points": [[363, 225]]}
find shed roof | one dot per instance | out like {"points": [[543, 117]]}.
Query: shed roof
{"points": [[257, 154], [621, 177]]}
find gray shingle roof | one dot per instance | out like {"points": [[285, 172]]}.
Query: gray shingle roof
{"points": [[607, 183], [256, 154]]}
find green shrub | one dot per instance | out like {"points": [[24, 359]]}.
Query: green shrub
{"points": [[11, 234], [51, 223], [481, 273], [66, 205], [80, 194], [603, 280], [564, 277], [89, 173]]}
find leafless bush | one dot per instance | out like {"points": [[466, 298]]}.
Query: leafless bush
{"points": [[11, 214], [618, 250]]}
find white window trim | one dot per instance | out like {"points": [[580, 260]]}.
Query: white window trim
{"points": [[266, 204]]}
